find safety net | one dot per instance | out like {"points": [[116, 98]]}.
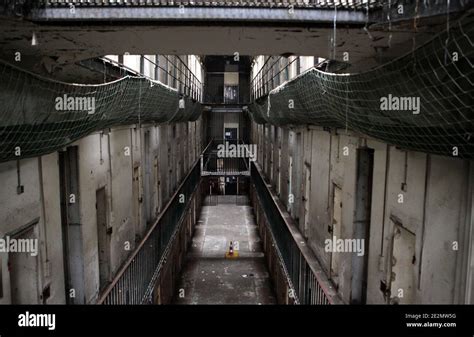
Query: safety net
{"points": [[39, 115], [421, 102]]}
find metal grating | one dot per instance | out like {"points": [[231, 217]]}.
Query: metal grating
{"points": [[319, 4]]}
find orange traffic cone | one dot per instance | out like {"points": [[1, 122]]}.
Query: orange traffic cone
{"points": [[232, 253], [231, 249]]}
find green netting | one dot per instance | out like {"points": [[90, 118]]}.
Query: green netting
{"points": [[33, 122], [439, 74], [258, 110]]}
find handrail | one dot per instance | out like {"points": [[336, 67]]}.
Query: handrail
{"points": [[263, 67], [195, 86], [328, 4], [305, 276], [257, 92], [185, 65], [195, 91], [256, 83]]}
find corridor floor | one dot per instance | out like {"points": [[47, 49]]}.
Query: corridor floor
{"points": [[208, 277]]}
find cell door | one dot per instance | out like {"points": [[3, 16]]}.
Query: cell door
{"points": [[147, 177], [23, 267], [231, 185], [403, 264], [137, 197], [158, 196], [336, 229], [103, 237], [307, 192], [271, 162], [231, 87]]}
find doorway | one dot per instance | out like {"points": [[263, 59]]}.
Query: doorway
{"points": [[147, 185], [307, 193], [158, 196], [403, 264], [231, 87], [336, 230], [23, 268], [103, 237], [137, 201], [230, 185]]}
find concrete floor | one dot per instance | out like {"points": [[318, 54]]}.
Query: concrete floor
{"points": [[208, 277]]}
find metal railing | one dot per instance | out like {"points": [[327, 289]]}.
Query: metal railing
{"points": [[268, 77], [187, 84], [303, 272], [226, 157], [322, 4], [133, 283], [190, 86]]}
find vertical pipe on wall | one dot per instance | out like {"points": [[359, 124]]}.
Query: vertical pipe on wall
{"points": [[361, 229], [387, 168], [43, 236], [423, 221], [110, 194]]}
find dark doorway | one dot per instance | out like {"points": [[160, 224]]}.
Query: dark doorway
{"points": [[147, 186], [231, 185], [211, 188], [23, 268], [103, 237], [242, 191]]}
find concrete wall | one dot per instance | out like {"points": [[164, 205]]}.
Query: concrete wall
{"points": [[104, 161], [428, 196], [38, 176]]}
